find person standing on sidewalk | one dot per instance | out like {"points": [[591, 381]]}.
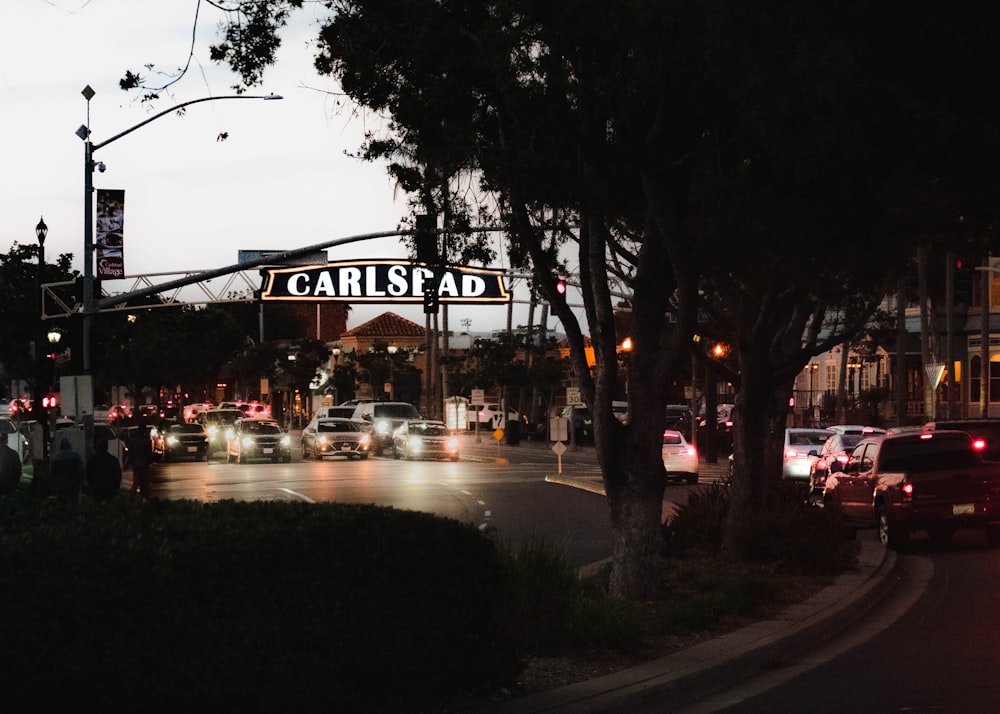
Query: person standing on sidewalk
{"points": [[66, 473], [10, 468], [141, 456], [104, 473]]}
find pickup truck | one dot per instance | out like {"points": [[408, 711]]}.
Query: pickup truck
{"points": [[933, 481]]}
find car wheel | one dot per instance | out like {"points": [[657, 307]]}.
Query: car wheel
{"points": [[692, 479], [363, 457], [890, 536]]}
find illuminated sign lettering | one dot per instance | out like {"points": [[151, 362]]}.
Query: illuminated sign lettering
{"points": [[383, 281]]}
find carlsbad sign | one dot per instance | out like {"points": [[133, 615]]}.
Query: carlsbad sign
{"points": [[383, 281]]}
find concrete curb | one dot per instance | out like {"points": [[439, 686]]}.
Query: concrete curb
{"points": [[712, 666]]}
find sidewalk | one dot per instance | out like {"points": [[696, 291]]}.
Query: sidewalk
{"points": [[680, 679]]}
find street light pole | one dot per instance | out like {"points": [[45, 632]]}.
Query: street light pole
{"points": [[37, 407], [89, 149]]}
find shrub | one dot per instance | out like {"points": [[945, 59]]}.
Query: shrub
{"points": [[245, 606]]}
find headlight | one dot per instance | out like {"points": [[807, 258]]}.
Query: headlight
{"points": [[382, 427], [171, 441], [415, 443], [321, 439], [212, 431], [286, 440], [364, 440], [453, 444], [247, 442]]}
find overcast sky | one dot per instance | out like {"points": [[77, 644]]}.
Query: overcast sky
{"points": [[280, 181]]}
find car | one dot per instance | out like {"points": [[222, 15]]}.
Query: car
{"points": [[424, 438], [679, 418], [258, 439], [800, 450], [219, 423], [344, 411], [335, 436], [384, 418], [581, 423], [833, 456], [904, 481], [191, 411], [10, 431], [491, 416], [984, 432], [680, 459], [180, 441]]}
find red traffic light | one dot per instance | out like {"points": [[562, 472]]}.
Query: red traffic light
{"points": [[49, 401], [561, 286]]}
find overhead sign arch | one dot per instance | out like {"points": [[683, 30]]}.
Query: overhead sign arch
{"points": [[397, 281]]}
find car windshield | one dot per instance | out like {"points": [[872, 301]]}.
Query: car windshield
{"points": [[808, 438], [671, 439], [261, 427], [226, 417], [849, 441], [339, 426], [396, 411], [187, 429], [927, 454], [429, 429]]}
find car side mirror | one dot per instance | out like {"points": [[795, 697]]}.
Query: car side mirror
{"points": [[814, 453]]}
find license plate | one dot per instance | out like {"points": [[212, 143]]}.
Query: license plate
{"points": [[963, 509], [268, 451], [192, 449]]}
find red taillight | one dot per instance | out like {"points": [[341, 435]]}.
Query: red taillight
{"points": [[689, 451], [843, 458], [979, 444], [907, 489]]}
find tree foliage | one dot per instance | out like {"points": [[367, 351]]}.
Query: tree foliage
{"points": [[712, 161]]}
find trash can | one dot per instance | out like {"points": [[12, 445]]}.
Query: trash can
{"points": [[513, 432]]}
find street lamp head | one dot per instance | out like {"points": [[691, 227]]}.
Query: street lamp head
{"points": [[41, 230]]}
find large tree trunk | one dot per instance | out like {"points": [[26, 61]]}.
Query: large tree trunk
{"points": [[760, 414]]}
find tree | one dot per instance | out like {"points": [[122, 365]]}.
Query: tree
{"points": [[700, 156]]}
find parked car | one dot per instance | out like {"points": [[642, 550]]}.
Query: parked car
{"points": [[581, 423], [985, 434], [801, 449], [424, 438], [917, 480], [180, 441], [219, 423], [335, 436], [10, 431], [680, 459], [679, 418], [191, 411], [258, 439], [384, 418], [833, 456], [490, 416]]}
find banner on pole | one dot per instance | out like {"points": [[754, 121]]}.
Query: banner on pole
{"points": [[109, 236]]}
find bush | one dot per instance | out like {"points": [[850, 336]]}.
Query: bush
{"points": [[245, 606]]}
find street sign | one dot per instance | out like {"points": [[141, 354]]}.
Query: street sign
{"points": [[559, 448], [478, 398], [498, 434], [573, 397], [935, 370], [558, 429]]}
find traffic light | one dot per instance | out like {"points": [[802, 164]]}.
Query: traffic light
{"points": [[560, 286], [426, 238], [50, 401], [963, 281]]}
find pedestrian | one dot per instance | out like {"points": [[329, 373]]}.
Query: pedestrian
{"points": [[140, 453], [10, 468], [66, 473], [104, 473]]}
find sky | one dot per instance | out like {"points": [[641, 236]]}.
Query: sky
{"points": [[282, 180]]}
